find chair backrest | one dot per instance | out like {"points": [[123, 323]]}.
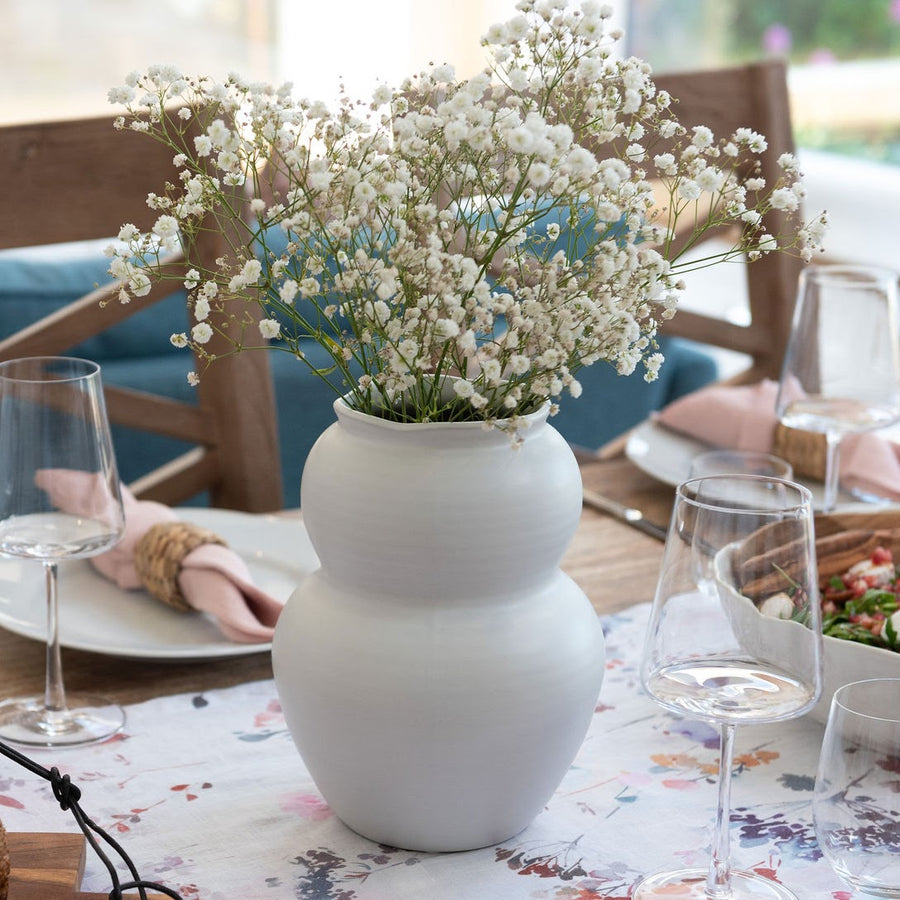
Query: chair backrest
{"points": [[81, 180], [753, 96]]}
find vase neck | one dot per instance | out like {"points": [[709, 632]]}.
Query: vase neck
{"points": [[447, 434]]}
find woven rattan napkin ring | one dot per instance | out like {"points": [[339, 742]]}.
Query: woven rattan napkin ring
{"points": [[804, 450], [159, 554]]}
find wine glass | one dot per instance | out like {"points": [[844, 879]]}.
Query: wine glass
{"points": [[59, 500], [734, 637], [841, 371], [856, 806]]}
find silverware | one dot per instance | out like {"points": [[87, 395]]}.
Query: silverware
{"points": [[627, 514]]}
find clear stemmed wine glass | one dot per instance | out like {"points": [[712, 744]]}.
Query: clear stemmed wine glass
{"points": [[711, 653], [841, 372], [59, 500]]}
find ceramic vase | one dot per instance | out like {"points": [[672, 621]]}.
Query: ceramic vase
{"points": [[439, 672]]}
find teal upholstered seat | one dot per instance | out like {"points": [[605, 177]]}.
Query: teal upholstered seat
{"points": [[136, 353]]}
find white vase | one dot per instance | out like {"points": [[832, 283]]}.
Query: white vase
{"points": [[439, 671]]}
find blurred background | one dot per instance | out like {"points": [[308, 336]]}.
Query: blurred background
{"points": [[844, 58], [58, 59]]}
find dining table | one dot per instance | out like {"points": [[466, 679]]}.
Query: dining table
{"points": [[208, 796]]}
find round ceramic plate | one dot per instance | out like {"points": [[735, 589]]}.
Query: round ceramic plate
{"points": [[96, 615], [666, 456]]}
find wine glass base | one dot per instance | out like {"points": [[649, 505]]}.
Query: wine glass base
{"points": [[86, 720], [690, 884]]}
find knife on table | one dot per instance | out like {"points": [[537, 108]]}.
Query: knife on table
{"points": [[627, 514]]}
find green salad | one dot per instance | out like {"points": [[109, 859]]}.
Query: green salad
{"points": [[862, 604]]}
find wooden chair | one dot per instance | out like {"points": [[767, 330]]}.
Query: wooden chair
{"points": [[752, 96], [80, 180]]}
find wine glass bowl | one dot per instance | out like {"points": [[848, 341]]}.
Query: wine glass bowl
{"points": [[709, 654], [856, 804], [59, 500], [841, 371]]}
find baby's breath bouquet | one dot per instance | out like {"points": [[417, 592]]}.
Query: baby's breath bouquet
{"points": [[460, 248]]}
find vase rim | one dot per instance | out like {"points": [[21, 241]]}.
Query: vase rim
{"points": [[528, 421]]}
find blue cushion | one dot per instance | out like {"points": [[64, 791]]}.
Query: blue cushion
{"points": [[304, 404], [36, 281], [271, 244], [613, 403], [136, 354]]}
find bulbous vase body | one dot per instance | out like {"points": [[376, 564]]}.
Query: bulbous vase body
{"points": [[439, 672]]}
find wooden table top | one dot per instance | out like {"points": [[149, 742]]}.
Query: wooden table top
{"points": [[614, 564]]}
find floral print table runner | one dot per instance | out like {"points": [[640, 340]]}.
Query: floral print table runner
{"points": [[209, 797]]}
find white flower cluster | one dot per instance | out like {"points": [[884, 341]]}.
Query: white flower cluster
{"points": [[502, 230]]}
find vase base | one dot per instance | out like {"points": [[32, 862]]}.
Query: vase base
{"points": [[436, 843]]}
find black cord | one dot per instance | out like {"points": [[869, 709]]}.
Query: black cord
{"points": [[68, 796]]}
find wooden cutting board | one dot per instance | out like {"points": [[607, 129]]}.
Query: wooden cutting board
{"points": [[49, 867], [874, 518]]}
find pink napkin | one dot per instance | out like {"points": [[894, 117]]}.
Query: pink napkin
{"points": [[743, 418], [213, 579]]}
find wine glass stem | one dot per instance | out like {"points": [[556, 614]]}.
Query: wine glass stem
{"points": [[832, 470], [54, 692], [718, 881]]}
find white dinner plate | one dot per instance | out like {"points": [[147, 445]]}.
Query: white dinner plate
{"points": [[96, 615], [666, 455]]}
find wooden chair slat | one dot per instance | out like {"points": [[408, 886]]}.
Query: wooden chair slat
{"points": [[80, 180], [750, 96]]}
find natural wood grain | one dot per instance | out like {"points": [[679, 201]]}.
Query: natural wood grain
{"points": [[751, 96], [94, 178], [875, 519], [45, 866], [124, 680], [49, 867], [615, 565]]}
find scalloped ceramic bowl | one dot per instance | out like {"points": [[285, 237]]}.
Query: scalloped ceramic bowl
{"points": [[843, 661]]}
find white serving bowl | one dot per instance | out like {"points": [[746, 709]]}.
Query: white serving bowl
{"points": [[847, 661], [843, 661]]}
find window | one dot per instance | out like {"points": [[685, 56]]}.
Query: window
{"points": [[844, 59], [63, 57], [58, 59]]}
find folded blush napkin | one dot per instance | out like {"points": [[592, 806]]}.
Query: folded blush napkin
{"points": [[743, 418], [185, 566]]}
